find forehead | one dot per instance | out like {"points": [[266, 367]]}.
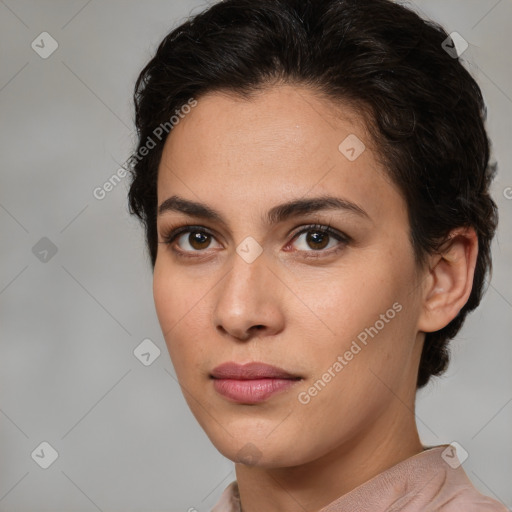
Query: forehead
{"points": [[284, 121], [282, 143]]}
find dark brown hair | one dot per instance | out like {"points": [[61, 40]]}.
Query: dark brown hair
{"points": [[424, 110]]}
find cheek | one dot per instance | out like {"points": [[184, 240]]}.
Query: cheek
{"points": [[176, 304], [347, 300], [362, 310], [165, 298], [176, 297]]}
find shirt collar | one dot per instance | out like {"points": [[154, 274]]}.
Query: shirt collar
{"points": [[431, 480]]}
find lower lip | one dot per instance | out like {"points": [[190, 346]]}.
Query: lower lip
{"points": [[251, 391]]}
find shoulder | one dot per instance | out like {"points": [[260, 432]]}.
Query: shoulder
{"points": [[457, 492], [469, 499]]}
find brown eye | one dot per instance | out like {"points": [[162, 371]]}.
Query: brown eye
{"points": [[193, 240], [317, 239], [199, 240], [320, 240]]}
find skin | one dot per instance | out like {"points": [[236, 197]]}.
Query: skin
{"points": [[242, 157]]}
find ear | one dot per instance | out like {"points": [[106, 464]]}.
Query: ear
{"points": [[449, 281]]}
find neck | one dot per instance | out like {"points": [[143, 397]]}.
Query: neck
{"points": [[311, 486]]}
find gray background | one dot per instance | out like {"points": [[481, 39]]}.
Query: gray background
{"points": [[69, 325]]}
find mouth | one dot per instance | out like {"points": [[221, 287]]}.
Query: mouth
{"points": [[251, 383]]}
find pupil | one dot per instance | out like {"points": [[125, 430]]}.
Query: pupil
{"points": [[313, 235], [197, 239]]}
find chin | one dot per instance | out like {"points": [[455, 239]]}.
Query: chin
{"points": [[259, 451]]}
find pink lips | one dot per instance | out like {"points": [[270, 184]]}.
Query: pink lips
{"points": [[251, 383]]}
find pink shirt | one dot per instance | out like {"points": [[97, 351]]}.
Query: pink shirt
{"points": [[425, 482]]}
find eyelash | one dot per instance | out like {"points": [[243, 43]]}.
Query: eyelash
{"points": [[172, 234]]}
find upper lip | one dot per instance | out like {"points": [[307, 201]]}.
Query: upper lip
{"points": [[250, 371]]}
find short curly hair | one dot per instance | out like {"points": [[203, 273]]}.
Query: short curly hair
{"points": [[425, 112]]}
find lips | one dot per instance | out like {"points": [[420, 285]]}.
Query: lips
{"points": [[251, 383], [250, 371]]}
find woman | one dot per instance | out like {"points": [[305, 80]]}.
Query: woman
{"points": [[319, 225]]}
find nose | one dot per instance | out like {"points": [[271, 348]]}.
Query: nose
{"points": [[249, 300]]}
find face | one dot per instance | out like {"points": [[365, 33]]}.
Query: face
{"points": [[326, 291]]}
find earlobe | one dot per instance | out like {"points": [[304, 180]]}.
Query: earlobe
{"points": [[450, 280]]}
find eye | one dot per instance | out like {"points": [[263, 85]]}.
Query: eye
{"points": [[194, 240], [189, 239], [319, 237]]}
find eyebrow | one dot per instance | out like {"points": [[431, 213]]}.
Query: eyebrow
{"points": [[277, 214]]}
